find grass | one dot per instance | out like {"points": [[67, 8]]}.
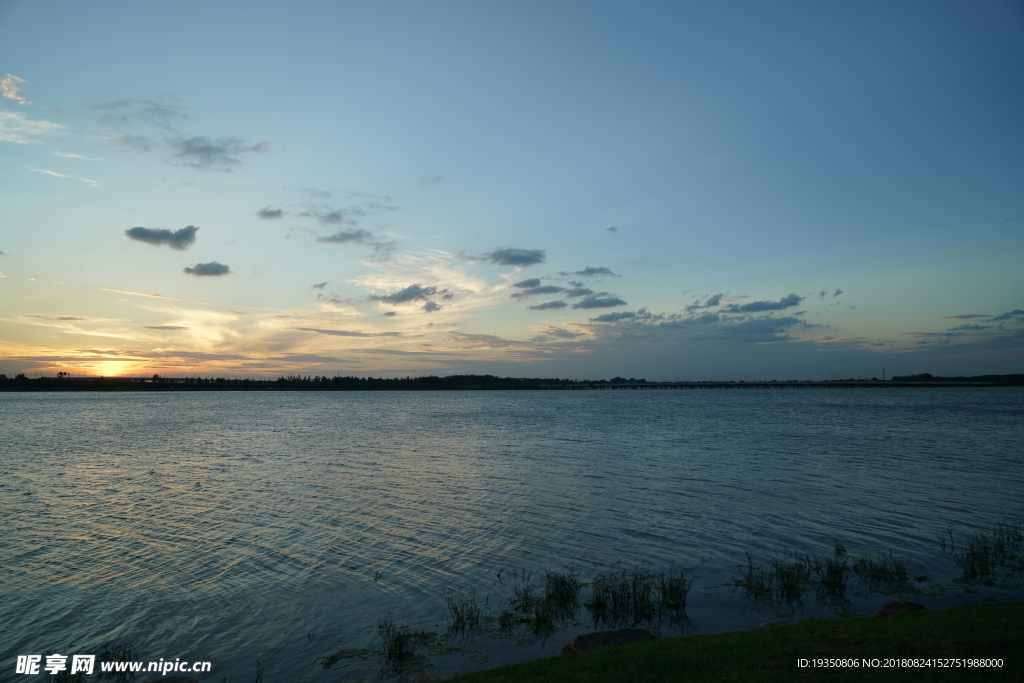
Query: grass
{"points": [[987, 552], [887, 569], [983, 631], [464, 613], [783, 580], [634, 597]]}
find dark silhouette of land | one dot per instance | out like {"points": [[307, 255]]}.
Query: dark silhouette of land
{"points": [[65, 382]]}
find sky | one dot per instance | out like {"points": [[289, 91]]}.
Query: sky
{"points": [[575, 189]]}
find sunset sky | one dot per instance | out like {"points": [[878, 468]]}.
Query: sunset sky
{"points": [[667, 190]]}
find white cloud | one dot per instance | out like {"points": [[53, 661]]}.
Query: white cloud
{"points": [[9, 88], [72, 155], [17, 128], [61, 175]]}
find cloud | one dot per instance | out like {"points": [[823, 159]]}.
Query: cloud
{"points": [[267, 212], [350, 333], [614, 317], [390, 313], [1011, 219], [62, 175], [600, 300], [179, 239], [431, 306], [712, 302], [208, 154], [17, 128], [9, 86], [1017, 314], [319, 285], [600, 271], [613, 228], [72, 155], [515, 257], [167, 327], [410, 293], [759, 306], [431, 180], [128, 112], [577, 291], [545, 289], [640, 314], [532, 282], [49, 317], [347, 236], [548, 305], [211, 269], [968, 316], [837, 293], [971, 327], [821, 294]]}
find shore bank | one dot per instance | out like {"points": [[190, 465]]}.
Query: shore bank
{"points": [[874, 649]]}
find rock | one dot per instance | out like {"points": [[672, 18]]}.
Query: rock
{"points": [[426, 678], [177, 679], [771, 624], [588, 642], [898, 607]]}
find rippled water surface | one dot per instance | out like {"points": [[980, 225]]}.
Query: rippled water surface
{"points": [[235, 527]]}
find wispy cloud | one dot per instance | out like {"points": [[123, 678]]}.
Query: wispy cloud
{"points": [[211, 269], [51, 317], [168, 328], [358, 236], [129, 113], [72, 155], [63, 175], [208, 154], [10, 86], [349, 333], [179, 239]]}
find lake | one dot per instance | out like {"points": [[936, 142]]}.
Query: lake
{"points": [[282, 526]]}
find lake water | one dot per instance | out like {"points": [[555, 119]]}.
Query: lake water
{"points": [[279, 527]]}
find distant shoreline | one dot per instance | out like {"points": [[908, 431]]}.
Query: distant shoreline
{"points": [[463, 383]]}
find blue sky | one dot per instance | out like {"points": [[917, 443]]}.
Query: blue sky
{"points": [[700, 190]]}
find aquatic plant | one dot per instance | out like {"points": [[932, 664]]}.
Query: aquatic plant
{"points": [[397, 641], [624, 596], [674, 589], [833, 574], [988, 551], [464, 612], [886, 569], [783, 581]]}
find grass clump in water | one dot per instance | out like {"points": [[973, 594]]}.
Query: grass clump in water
{"points": [[465, 613], [674, 590], [625, 596], [833, 575], [887, 569], [986, 552], [782, 581]]}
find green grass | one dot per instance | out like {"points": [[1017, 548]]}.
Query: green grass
{"points": [[984, 631]]}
